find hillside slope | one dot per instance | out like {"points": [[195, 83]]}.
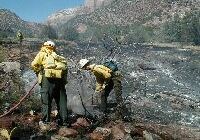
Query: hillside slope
{"points": [[141, 21], [126, 12], [62, 16], [10, 23]]}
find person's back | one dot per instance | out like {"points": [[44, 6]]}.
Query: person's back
{"points": [[52, 78]]}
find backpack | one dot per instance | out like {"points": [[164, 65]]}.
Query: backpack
{"points": [[55, 61], [111, 65], [54, 66], [102, 71], [49, 62]]}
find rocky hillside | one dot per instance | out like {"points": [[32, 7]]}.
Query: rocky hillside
{"points": [[65, 15], [10, 23], [95, 4], [151, 12], [140, 21]]}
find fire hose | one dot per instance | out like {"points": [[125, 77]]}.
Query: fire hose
{"points": [[20, 101]]}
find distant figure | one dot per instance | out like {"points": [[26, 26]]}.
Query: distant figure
{"points": [[20, 36], [51, 70], [108, 77]]}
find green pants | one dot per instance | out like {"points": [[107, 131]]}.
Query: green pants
{"points": [[113, 83], [53, 88]]}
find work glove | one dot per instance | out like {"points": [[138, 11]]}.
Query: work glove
{"points": [[99, 88], [117, 75]]}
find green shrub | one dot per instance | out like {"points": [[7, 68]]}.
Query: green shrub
{"points": [[2, 54], [186, 29], [69, 33]]}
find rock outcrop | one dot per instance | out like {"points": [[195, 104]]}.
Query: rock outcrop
{"points": [[64, 15], [95, 4]]}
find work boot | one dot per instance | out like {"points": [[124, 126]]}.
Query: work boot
{"points": [[44, 126], [62, 123], [122, 113]]}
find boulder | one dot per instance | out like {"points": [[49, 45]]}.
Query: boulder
{"points": [[171, 131], [80, 123], [49, 127], [147, 135], [118, 132], [67, 132], [10, 66], [96, 136], [100, 134]]}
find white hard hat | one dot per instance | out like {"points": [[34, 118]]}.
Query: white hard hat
{"points": [[83, 62], [49, 43]]}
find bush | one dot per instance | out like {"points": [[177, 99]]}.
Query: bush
{"points": [[48, 32], [186, 29], [2, 54], [69, 33]]}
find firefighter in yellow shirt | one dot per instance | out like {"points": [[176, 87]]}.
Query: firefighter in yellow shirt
{"points": [[51, 70], [106, 81]]}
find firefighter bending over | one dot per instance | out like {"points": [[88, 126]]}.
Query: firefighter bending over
{"points": [[108, 77]]}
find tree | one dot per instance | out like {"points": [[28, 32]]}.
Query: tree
{"points": [[70, 33], [49, 32], [186, 29], [195, 27]]}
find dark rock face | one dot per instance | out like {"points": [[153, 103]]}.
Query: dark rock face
{"points": [[95, 4]]}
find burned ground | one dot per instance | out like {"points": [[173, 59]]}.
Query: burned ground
{"points": [[160, 88]]}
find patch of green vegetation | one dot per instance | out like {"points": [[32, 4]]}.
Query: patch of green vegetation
{"points": [[48, 32], [186, 29], [124, 34], [1, 98], [2, 54]]}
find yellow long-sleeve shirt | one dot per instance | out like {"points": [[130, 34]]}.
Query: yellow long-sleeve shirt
{"points": [[54, 62], [102, 74], [38, 61]]}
